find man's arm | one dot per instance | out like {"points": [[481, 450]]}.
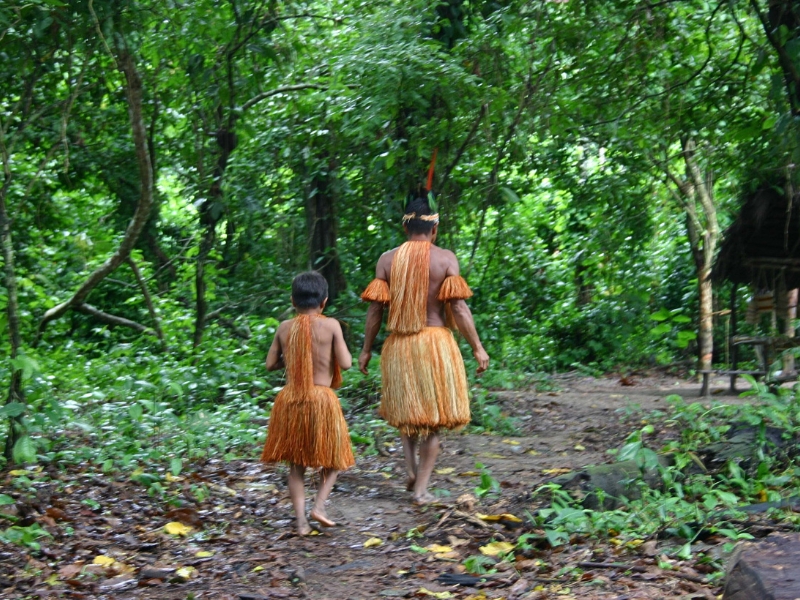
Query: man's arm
{"points": [[466, 325], [374, 314], [275, 354], [371, 329], [340, 350]]}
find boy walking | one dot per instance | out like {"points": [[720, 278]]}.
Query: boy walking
{"points": [[307, 427]]}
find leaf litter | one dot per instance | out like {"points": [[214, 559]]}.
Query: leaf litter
{"points": [[225, 529]]}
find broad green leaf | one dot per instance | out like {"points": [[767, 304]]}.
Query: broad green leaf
{"points": [[24, 450]]}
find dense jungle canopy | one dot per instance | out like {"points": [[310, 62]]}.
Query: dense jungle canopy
{"points": [[169, 166]]}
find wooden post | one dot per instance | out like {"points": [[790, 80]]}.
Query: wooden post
{"points": [[788, 330], [733, 348]]}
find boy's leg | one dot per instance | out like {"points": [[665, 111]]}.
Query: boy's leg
{"points": [[318, 513], [428, 452], [410, 454], [297, 491]]}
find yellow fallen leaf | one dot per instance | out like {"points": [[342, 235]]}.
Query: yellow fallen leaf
{"points": [[172, 478], [387, 475], [533, 452], [452, 555], [426, 592], [512, 442], [445, 471], [257, 569], [497, 548], [204, 554], [401, 572], [438, 548], [314, 532], [491, 455], [556, 471], [616, 541], [634, 543], [580, 447], [501, 517], [18, 472], [106, 561], [469, 474], [177, 528], [186, 572], [373, 542]]}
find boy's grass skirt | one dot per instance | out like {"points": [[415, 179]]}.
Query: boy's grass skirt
{"points": [[308, 430], [424, 382]]}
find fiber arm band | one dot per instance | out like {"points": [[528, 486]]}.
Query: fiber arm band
{"points": [[454, 287], [377, 291]]}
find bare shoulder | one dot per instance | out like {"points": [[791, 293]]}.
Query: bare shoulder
{"points": [[384, 267], [331, 325], [445, 258]]}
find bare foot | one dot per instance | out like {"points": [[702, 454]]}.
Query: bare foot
{"points": [[303, 529], [410, 481], [320, 517], [424, 498]]}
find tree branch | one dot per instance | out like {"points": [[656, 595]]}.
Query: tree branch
{"points": [[148, 300], [139, 219], [109, 319], [283, 89]]}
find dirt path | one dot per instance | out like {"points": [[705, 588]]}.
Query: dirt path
{"points": [[242, 545]]}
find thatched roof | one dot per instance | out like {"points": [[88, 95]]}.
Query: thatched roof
{"points": [[763, 243]]}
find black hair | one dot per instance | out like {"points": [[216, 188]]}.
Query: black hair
{"points": [[420, 207], [309, 290]]}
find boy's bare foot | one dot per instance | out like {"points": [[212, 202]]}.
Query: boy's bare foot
{"points": [[320, 517], [410, 481], [424, 498], [303, 529]]}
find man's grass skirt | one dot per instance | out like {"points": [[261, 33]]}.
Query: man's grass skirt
{"points": [[424, 382], [308, 430]]}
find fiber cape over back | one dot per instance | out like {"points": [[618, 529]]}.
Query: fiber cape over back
{"points": [[423, 378], [307, 426]]}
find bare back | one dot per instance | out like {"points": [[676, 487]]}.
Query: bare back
{"points": [[443, 264], [327, 343]]}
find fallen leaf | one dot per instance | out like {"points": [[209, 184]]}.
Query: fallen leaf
{"points": [[456, 542], [469, 474], [501, 517], [204, 554], [512, 442], [438, 548], [314, 532], [177, 528], [426, 592], [373, 542], [18, 472], [497, 548], [532, 452], [556, 471], [186, 572], [172, 478], [106, 561], [445, 471], [580, 447], [70, 571]]}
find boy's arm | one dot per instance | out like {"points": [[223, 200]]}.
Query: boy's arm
{"points": [[340, 351], [275, 354]]}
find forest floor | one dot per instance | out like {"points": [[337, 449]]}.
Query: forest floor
{"points": [[241, 544]]}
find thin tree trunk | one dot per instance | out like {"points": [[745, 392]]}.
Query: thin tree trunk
{"points": [[322, 231], [15, 391], [148, 300], [139, 219]]}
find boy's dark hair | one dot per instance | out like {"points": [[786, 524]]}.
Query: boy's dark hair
{"points": [[420, 207], [309, 290]]}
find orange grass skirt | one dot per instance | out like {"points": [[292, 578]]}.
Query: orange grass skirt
{"points": [[308, 431], [424, 382]]}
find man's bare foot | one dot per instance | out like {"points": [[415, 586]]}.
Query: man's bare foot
{"points": [[410, 481], [303, 529], [320, 517], [424, 498]]}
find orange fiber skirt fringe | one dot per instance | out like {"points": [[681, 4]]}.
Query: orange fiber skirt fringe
{"points": [[424, 382], [308, 430]]}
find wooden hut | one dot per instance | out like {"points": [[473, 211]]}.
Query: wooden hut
{"points": [[761, 249]]}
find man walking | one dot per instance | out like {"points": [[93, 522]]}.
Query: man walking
{"points": [[424, 383]]}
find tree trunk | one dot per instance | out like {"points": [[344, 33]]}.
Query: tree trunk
{"points": [[15, 391], [139, 219], [322, 231], [211, 212]]}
